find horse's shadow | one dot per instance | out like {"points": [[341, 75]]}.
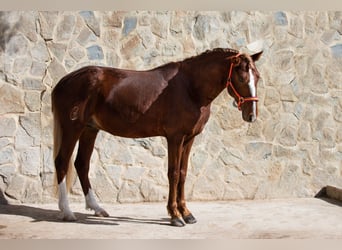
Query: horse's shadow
{"points": [[49, 215]]}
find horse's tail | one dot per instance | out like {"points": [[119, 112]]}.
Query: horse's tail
{"points": [[57, 140]]}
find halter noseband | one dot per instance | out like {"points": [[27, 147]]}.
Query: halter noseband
{"points": [[241, 99]]}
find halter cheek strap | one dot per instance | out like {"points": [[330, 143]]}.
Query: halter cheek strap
{"points": [[241, 99]]}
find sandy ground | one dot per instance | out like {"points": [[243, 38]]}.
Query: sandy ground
{"points": [[261, 219]]}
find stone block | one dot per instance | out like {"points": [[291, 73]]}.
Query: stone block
{"points": [[11, 100], [57, 50], [17, 46], [7, 155], [259, 150], [152, 192], [39, 52], [17, 187], [47, 21], [91, 21], [32, 100], [95, 52], [134, 174], [38, 69], [56, 71], [65, 27], [86, 37], [336, 50], [130, 192], [130, 23], [33, 84], [30, 161], [206, 27], [31, 123], [8, 127], [160, 25], [288, 136], [280, 18]]}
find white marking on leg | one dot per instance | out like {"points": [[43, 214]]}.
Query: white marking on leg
{"points": [[92, 204], [63, 203], [252, 89]]}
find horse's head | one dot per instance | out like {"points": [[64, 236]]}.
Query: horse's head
{"points": [[242, 84]]}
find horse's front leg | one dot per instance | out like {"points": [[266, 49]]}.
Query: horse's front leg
{"points": [[175, 146], [181, 204]]}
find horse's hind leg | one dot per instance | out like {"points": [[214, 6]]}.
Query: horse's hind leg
{"points": [[85, 149], [63, 165]]}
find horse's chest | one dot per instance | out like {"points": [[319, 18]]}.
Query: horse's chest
{"points": [[202, 119]]}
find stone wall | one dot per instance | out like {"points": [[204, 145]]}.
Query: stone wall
{"points": [[293, 150]]}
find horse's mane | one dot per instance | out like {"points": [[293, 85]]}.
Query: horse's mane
{"points": [[214, 52]]}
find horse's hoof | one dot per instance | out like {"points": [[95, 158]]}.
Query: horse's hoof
{"points": [[177, 222], [189, 219], [101, 213]]}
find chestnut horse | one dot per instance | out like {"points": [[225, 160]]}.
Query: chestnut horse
{"points": [[172, 100]]}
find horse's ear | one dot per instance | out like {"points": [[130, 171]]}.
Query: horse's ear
{"points": [[256, 56], [236, 60]]}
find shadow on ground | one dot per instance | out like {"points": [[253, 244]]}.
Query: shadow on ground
{"points": [[49, 215]]}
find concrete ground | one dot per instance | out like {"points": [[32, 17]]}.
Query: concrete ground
{"points": [[291, 218]]}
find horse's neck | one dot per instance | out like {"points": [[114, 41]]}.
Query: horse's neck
{"points": [[205, 82]]}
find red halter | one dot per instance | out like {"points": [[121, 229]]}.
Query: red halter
{"points": [[241, 99]]}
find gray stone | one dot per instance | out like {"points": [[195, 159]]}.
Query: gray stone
{"points": [[95, 52], [11, 100], [91, 21], [38, 69], [22, 139], [39, 52], [8, 127], [17, 187], [103, 187], [259, 150], [288, 136], [65, 28], [114, 173], [77, 53], [328, 36], [133, 174], [58, 50], [32, 100], [7, 155], [280, 18], [328, 139], [130, 23], [296, 27], [33, 84], [22, 65], [160, 25], [130, 192], [47, 20], [27, 25], [30, 161], [31, 123], [205, 27], [206, 190], [17, 46], [56, 71], [152, 192], [336, 50], [7, 172], [4, 141], [86, 37]]}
